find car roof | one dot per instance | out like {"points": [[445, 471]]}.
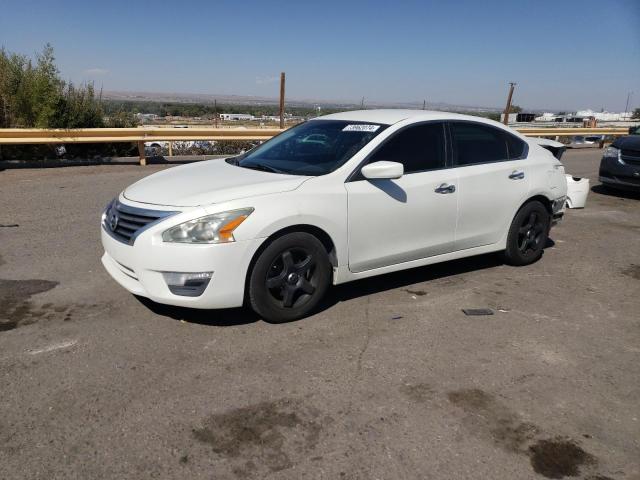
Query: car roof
{"points": [[391, 115]]}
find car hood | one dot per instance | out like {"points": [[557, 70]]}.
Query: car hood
{"points": [[632, 142], [204, 183]]}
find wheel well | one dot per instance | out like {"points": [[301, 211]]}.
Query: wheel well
{"points": [[542, 199], [317, 232]]}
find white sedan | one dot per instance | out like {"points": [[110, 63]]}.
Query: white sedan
{"points": [[335, 199]]}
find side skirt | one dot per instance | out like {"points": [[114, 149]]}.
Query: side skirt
{"points": [[342, 274]]}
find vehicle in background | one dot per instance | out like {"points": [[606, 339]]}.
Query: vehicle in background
{"points": [[191, 147], [620, 164], [586, 141], [335, 199], [157, 148]]}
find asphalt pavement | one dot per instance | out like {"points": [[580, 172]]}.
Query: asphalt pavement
{"points": [[391, 380]]}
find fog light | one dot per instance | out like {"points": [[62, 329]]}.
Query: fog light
{"points": [[187, 284]]}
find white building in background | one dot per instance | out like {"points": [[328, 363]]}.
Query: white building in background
{"points": [[605, 116], [146, 117], [236, 116], [547, 117], [584, 114]]}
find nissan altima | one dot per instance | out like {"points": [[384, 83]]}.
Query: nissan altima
{"points": [[332, 200]]}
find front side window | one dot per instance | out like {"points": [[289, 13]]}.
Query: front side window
{"points": [[316, 147], [418, 148], [475, 143]]}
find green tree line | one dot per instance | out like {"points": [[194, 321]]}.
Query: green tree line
{"points": [[204, 110], [32, 95]]}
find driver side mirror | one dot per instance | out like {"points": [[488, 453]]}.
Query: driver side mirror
{"points": [[382, 170]]}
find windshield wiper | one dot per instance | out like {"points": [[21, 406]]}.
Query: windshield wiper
{"points": [[262, 167]]}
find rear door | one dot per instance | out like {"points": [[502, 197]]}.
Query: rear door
{"points": [[409, 218], [493, 181]]}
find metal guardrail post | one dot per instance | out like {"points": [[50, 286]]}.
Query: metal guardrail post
{"points": [[143, 159]]}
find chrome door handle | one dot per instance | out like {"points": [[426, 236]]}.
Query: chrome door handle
{"points": [[517, 175], [445, 188]]}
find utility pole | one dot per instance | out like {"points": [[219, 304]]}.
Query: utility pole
{"points": [[424, 104], [512, 85], [362, 104], [215, 113], [282, 100], [626, 107]]}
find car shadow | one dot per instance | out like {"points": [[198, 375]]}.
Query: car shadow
{"points": [[614, 192], [340, 293], [224, 317], [406, 278], [390, 188]]}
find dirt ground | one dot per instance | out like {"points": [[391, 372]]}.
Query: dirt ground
{"points": [[391, 380]]}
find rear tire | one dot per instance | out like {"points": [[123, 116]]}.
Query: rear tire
{"points": [[289, 278], [156, 150], [528, 234]]}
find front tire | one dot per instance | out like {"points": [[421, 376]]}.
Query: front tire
{"points": [[289, 278], [528, 234]]}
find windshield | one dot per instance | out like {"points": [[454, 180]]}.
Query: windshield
{"points": [[312, 148]]}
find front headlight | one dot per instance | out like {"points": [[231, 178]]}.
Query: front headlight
{"points": [[611, 152], [216, 228]]}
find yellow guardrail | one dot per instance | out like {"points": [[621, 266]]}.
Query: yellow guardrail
{"points": [[141, 135], [18, 136], [562, 132]]}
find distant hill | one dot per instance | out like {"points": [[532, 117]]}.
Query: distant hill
{"points": [[256, 100]]}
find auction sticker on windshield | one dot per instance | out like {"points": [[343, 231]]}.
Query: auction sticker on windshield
{"points": [[360, 128]]}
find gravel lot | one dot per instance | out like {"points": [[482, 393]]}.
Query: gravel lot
{"points": [[391, 380]]}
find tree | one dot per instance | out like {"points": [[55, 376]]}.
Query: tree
{"points": [[636, 114], [32, 94], [515, 109]]}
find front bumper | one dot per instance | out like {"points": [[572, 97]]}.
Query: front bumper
{"points": [[623, 183], [138, 268], [620, 175]]}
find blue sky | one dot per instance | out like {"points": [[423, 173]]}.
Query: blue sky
{"points": [[563, 54]]}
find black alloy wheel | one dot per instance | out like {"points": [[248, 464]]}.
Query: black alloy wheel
{"points": [[289, 277], [528, 234]]}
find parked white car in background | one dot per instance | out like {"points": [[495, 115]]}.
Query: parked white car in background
{"points": [[335, 199]]}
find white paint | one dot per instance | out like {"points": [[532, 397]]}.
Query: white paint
{"points": [[376, 227], [53, 347]]}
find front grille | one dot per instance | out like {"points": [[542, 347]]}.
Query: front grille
{"points": [[125, 223], [631, 157]]}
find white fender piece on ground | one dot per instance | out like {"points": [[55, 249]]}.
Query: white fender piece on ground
{"points": [[577, 191]]}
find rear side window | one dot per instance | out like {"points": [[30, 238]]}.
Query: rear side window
{"points": [[475, 143], [418, 148], [516, 147]]}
